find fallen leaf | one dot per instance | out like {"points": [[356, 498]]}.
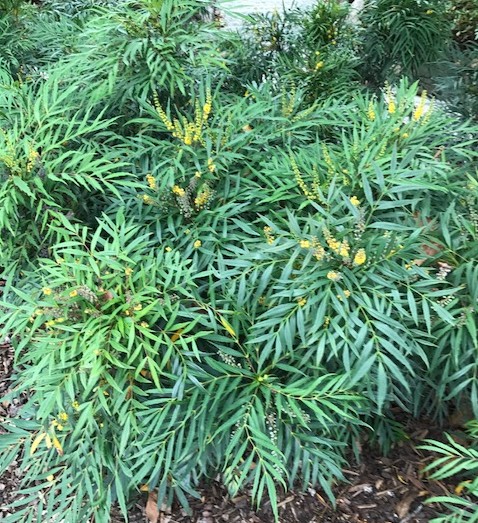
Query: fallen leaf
{"points": [[402, 508], [152, 510], [57, 445]]}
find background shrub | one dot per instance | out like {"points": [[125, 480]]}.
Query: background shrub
{"points": [[399, 38]]}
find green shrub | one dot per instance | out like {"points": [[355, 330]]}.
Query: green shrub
{"points": [[135, 48], [456, 460], [48, 163], [315, 51], [326, 23], [399, 38], [138, 381], [207, 276]]}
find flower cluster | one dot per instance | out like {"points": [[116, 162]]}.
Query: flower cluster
{"points": [[270, 238], [188, 132]]}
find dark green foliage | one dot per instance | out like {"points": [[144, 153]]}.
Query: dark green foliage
{"points": [[401, 37], [456, 80]]}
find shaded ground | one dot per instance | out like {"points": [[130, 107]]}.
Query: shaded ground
{"points": [[381, 490]]}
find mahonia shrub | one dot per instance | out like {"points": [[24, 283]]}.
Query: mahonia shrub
{"points": [[315, 51], [364, 202], [132, 48], [398, 39], [210, 276], [48, 162], [131, 376]]}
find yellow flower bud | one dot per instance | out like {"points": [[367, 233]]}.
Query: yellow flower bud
{"points": [[360, 257]]}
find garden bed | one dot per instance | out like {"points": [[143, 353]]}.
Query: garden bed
{"points": [[239, 256]]}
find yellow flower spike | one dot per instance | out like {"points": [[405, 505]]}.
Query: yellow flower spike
{"points": [[210, 165], [333, 244], [354, 201], [147, 199], [63, 416], [390, 99], [301, 301], [344, 249], [47, 291], [151, 181], [178, 191], [270, 238], [360, 257], [319, 253], [305, 244], [419, 110], [197, 244], [371, 111]]}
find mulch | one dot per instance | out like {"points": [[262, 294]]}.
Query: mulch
{"points": [[380, 489]]}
